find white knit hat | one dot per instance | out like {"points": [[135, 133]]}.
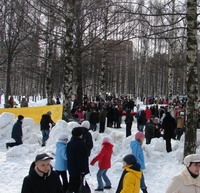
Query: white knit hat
{"points": [[86, 124], [63, 136], [191, 158], [106, 139]]}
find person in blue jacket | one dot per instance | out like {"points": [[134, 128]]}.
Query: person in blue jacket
{"points": [[17, 133], [61, 159], [137, 151]]}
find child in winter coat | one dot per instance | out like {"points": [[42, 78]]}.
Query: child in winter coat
{"points": [[130, 178], [137, 151], [61, 159], [104, 163]]}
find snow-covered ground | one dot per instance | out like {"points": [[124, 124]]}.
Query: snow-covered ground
{"points": [[15, 162]]}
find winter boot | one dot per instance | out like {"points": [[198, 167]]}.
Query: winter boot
{"points": [[7, 145], [144, 190], [43, 143]]}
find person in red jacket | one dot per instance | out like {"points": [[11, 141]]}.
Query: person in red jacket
{"points": [[104, 163], [148, 113]]}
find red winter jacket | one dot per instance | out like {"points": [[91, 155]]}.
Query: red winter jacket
{"points": [[148, 114], [104, 156]]}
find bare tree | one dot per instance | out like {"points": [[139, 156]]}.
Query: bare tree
{"points": [[14, 36], [192, 78], [49, 53], [69, 57], [94, 47]]}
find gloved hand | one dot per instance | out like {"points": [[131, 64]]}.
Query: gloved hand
{"points": [[92, 163], [82, 174]]}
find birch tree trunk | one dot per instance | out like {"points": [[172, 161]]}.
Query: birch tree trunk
{"points": [[171, 58], [49, 59], [104, 52], [170, 76], [69, 59], [79, 23], [192, 81]]}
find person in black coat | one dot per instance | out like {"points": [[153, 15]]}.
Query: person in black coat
{"points": [[128, 121], [87, 137], [141, 120], [110, 113], [150, 128], [77, 160], [57, 101], [17, 133], [102, 120], [116, 117], [169, 126], [94, 119], [41, 177], [45, 126]]}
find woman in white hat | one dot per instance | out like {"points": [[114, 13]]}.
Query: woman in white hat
{"points": [[188, 181]]}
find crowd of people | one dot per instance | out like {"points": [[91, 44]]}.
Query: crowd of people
{"points": [[108, 113], [72, 158], [155, 121], [10, 103], [159, 122], [23, 102], [72, 154]]}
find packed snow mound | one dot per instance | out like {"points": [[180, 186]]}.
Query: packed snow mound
{"points": [[60, 128]]}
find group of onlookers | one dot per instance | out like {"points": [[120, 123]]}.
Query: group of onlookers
{"points": [[113, 115], [10, 103], [72, 157], [159, 122], [155, 121], [72, 154], [99, 112], [43, 179]]}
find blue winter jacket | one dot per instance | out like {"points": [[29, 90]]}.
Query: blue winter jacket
{"points": [[61, 156], [137, 151]]}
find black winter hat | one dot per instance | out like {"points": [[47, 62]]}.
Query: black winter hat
{"points": [[130, 159], [42, 157], [77, 131], [20, 117]]}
